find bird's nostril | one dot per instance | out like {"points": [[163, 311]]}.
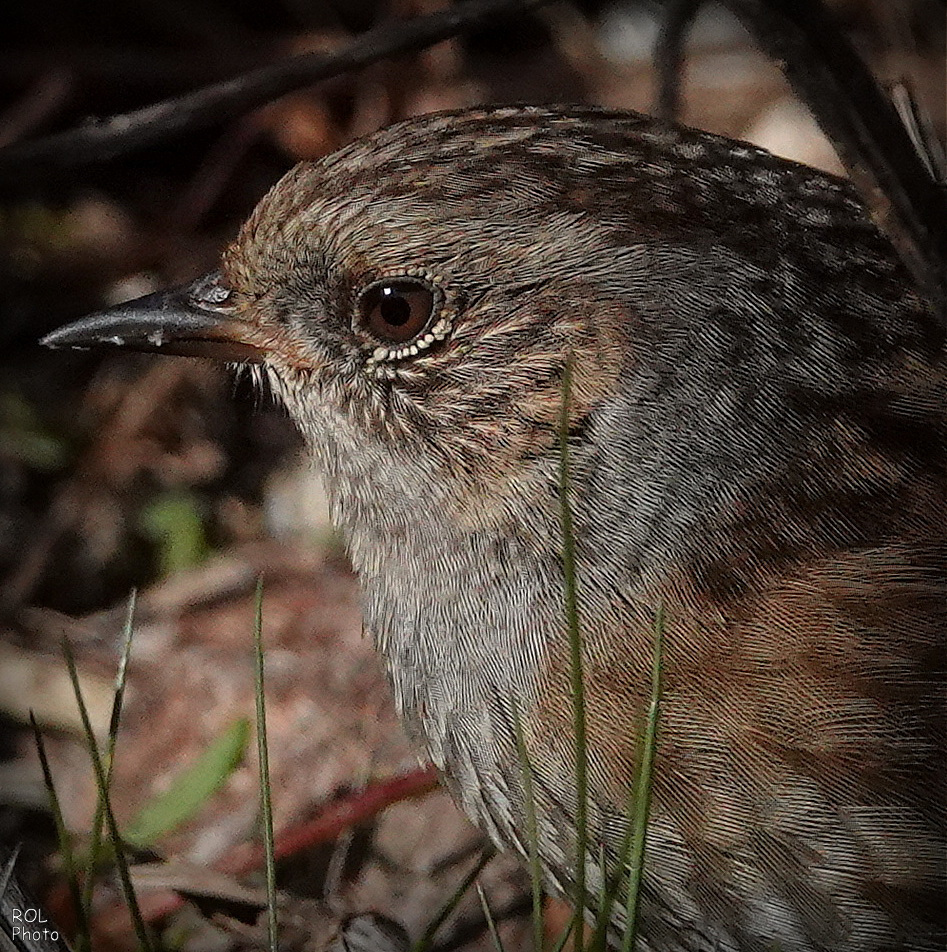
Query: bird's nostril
{"points": [[211, 290]]}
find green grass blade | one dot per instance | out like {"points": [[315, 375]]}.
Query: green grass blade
{"points": [[266, 804], [564, 936], [173, 522], [192, 788], [491, 924], [643, 787], [83, 933], [6, 877], [606, 900], [575, 647], [121, 861], [532, 832], [121, 676], [613, 882], [433, 927], [95, 845]]}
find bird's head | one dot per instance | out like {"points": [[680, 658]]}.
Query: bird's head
{"points": [[423, 288]]}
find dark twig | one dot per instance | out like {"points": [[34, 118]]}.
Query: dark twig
{"points": [[920, 130], [215, 172], [865, 129], [15, 900], [224, 101], [336, 818], [42, 102], [669, 55], [470, 929]]}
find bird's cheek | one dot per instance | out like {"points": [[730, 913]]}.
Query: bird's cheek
{"points": [[289, 348]]}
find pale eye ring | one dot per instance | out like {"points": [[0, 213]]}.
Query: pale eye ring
{"points": [[396, 310]]}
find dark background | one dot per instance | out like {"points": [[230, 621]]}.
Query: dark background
{"points": [[139, 471]]}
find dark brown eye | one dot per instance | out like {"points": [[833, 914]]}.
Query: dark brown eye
{"points": [[394, 312]]}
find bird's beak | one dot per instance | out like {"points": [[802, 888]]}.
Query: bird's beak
{"points": [[197, 320]]}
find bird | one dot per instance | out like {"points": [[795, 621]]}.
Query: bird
{"points": [[536, 350]]}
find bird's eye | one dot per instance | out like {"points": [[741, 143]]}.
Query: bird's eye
{"points": [[394, 312]]}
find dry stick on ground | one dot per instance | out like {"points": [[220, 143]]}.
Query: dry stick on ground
{"points": [[865, 129], [221, 102], [335, 818]]}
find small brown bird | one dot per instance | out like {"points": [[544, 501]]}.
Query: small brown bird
{"points": [[755, 441]]}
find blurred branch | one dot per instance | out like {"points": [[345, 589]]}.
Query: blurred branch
{"points": [[669, 55], [862, 123], [43, 100], [223, 101]]}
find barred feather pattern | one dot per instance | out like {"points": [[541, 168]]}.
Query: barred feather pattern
{"points": [[756, 437]]}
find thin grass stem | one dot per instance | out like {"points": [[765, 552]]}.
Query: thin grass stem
{"points": [[83, 933], [649, 743], [491, 924], [433, 927], [575, 646], [121, 861], [532, 832], [599, 940], [606, 900], [266, 805], [642, 802], [6, 877], [121, 677], [560, 943]]}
